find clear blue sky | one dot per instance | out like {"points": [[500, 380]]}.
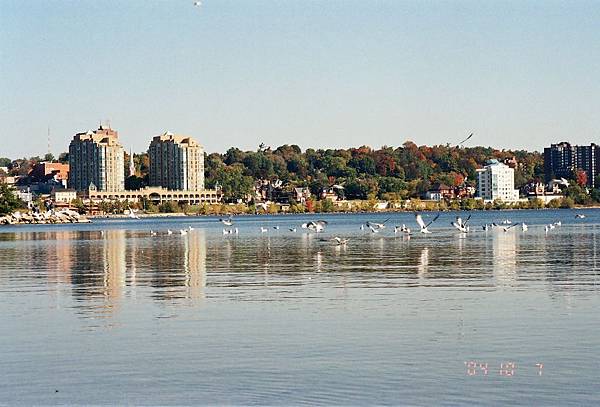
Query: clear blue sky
{"points": [[520, 74]]}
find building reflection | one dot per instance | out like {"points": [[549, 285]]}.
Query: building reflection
{"points": [[504, 255]]}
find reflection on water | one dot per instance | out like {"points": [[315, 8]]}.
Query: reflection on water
{"points": [[100, 267]]}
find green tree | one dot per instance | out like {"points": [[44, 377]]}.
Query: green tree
{"points": [[8, 200]]}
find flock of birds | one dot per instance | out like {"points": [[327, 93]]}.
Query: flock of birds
{"points": [[318, 226]]}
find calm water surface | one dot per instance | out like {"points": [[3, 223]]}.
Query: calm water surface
{"points": [[105, 313]]}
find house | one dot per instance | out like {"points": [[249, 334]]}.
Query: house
{"points": [[439, 192], [64, 195], [301, 194]]}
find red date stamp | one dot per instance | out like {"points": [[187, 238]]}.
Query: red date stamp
{"points": [[507, 369]]}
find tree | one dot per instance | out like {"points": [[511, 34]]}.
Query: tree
{"points": [[8, 200], [49, 157]]}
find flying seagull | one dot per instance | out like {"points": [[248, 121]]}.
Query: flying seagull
{"points": [[197, 3], [465, 140], [461, 225], [378, 225], [227, 222], [340, 241], [422, 224], [315, 226]]}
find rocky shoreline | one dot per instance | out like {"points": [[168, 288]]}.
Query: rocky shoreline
{"points": [[49, 217]]}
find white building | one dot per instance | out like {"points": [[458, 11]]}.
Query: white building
{"points": [[497, 181], [64, 195]]}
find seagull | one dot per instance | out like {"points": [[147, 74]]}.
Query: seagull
{"points": [[402, 229], [152, 233], [374, 230], [465, 140], [378, 225], [506, 222], [263, 230], [551, 226], [236, 231], [316, 226], [486, 227], [340, 242], [292, 230], [226, 231], [276, 227], [460, 225], [190, 228], [580, 216], [546, 229], [362, 227], [524, 227], [183, 232], [227, 222], [422, 224], [506, 228], [197, 3], [169, 232]]}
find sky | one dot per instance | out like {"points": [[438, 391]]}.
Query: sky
{"points": [[321, 74]]}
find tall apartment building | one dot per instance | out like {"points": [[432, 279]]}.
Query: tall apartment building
{"points": [[97, 158], [176, 162], [497, 181], [562, 160]]}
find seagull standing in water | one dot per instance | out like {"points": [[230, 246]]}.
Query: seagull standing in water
{"points": [[422, 224], [263, 230], [524, 227], [292, 230]]}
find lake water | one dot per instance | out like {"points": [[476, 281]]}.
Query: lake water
{"points": [[105, 313]]}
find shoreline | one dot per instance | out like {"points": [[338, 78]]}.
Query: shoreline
{"points": [[192, 215]]}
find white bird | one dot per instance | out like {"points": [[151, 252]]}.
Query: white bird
{"points": [[236, 231], [422, 224], [402, 229], [546, 228], [461, 225], [276, 227], [506, 222], [486, 227], [374, 230], [315, 226], [190, 228], [197, 3], [263, 230], [378, 225], [362, 227], [559, 223], [152, 233], [227, 222], [340, 241], [580, 216], [183, 232], [551, 226], [292, 230], [169, 232]]}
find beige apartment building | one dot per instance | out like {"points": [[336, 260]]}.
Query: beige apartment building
{"points": [[176, 163], [96, 158]]}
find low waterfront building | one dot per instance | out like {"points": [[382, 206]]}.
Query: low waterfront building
{"points": [[156, 195], [497, 181]]}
